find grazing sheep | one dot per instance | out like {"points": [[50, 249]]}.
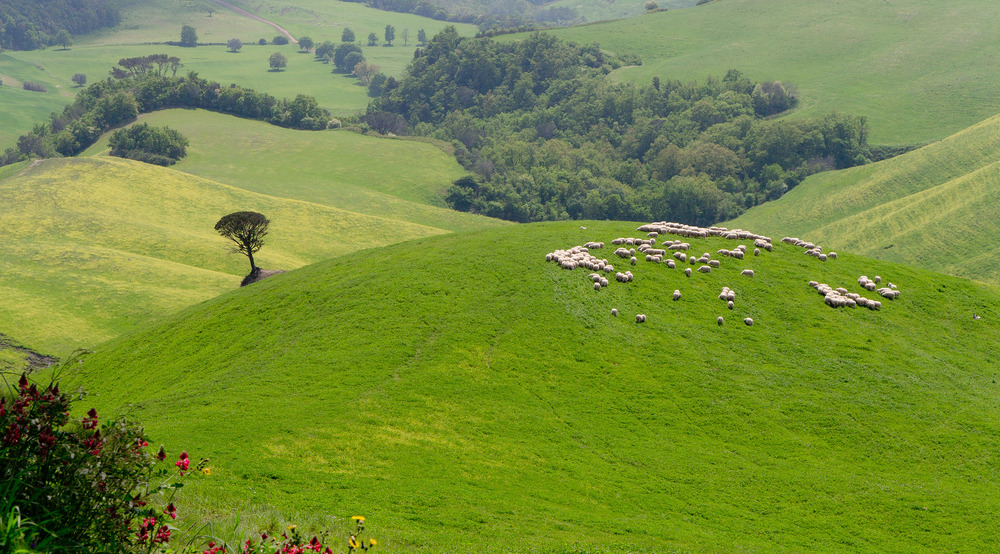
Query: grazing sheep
{"points": [[614, 312], [748, 321], [640, 318], [747, 272], [714, 263], [633, 260], [704, 269], [832, 255], [878, 279], [671, 264], [731, 304], [681, 256], [597, 286], [677, 295], [687, 271], [756, 251], [719, 321]]}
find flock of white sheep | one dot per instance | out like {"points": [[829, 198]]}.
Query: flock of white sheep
{"points": [[630, 248]]}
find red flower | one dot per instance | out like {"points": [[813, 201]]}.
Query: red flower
{"points": [[171, 511], [183, 462], [162, 454], [23, 381]]}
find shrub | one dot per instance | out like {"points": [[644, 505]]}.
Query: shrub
{"points": [[280, 40], [145, 143], [32, 85], [77, 485], [262, 42]]}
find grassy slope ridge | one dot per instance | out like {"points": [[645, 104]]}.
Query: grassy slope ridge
{"points": [[937, 207], [94, 247], [919, 70], [396, 179], [464, 394]]}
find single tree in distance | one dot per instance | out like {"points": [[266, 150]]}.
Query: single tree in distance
{"points": [[262, 42], [80, 79], [347, 35], [234, 44], [406, 35], [372, 39], [279, 40], [64, 39], [247, 230], [189, 37], [390, 34], [278, 61], [305, 44], [421, 36]]}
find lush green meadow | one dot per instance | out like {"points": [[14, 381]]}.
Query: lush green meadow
{"points": [[937, 207], [395, 179], [466, 395], [95, 247], [147, 21], [602, 10], [919, 70]]}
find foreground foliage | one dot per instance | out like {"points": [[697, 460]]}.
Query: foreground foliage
{"points": [[550, 138], [145, 143]]}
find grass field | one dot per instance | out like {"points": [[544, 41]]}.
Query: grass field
{"points": [[919, 70], [95, 247], [393, 179], [937, 207], [465, 395], [147, 21], [602, 10]]}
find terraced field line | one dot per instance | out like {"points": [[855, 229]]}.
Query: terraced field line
{"points": [[258, 18]]}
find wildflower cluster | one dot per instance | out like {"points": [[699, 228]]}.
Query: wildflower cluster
{"points": [[81, 485], [292, 542]]}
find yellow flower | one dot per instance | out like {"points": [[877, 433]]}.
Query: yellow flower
{"points": [[206, 470], [372, 542], [358, 518], [353, 543], [292, 527]]}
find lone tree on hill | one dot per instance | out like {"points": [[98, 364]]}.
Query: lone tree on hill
{"points": [[305, 44], [390, 34], [80, 79], [234, 44], [247, 230], [372, 39], [278, 61], [64, 39], [347, 35], [421, 36], [189, 37]]}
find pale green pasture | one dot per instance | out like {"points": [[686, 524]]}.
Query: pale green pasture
{"points": [[936, 207], [919, 70], [392, 178], [94, 247]]}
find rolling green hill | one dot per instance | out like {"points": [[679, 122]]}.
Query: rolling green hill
{"points": [[147, 21], [94, 247], [466, 395], [397, 179], [919, 70], [937, 207]]}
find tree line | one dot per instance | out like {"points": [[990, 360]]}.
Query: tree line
{"points": [[31, 24], [142, 86], [548, 137]]}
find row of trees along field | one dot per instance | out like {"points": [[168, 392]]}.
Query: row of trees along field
{"points": [[148, 83], [27, 25], [549, 138]]}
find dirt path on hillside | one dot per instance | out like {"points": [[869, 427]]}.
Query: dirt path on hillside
{"points": [[241, 11]]}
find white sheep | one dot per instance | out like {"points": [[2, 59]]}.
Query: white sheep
{"points": [[640, 318], [748, 321], [614, 312], [730, 304], [687, 271], [756, 251], [719, 321], [633, 260], [671, 264], [677, 295], [747, 272], [704, 269]]}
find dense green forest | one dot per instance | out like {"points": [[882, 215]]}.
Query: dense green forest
{"points": [[27, 24], [550, 138], [142, 85]]}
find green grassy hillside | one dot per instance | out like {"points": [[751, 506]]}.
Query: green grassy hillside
{"points": [[396, 179], [919, 70], [95, 247], [146, 21], [466, 395], [937, 207]]}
